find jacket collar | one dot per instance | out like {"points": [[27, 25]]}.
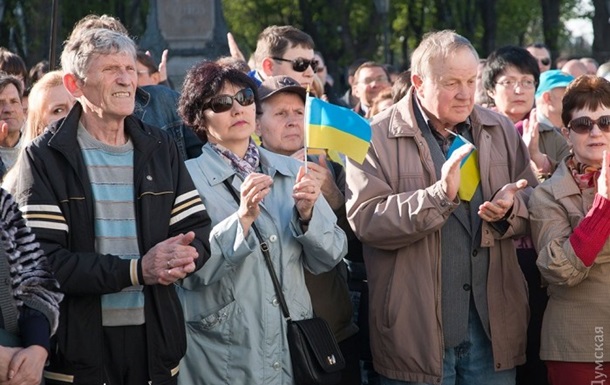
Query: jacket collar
{"points": [[64, 133], [216, 170], [563, 184], [403, 122]]}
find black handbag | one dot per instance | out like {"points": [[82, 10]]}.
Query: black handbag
{"points": [[314, 352]]}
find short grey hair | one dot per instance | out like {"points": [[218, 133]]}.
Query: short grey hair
{"points": [[435, 46], [78, 51]]}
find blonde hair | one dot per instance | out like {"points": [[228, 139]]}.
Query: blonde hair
{"points": [[34, 125]]}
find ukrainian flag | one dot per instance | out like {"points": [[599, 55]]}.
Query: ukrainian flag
{"points": [[469, 170], [337, 128]]}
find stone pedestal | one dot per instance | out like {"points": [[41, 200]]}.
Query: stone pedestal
{"points": [[192, 30]]}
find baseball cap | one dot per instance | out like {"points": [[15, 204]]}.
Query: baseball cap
{"points": [[274, 84], [553, 79]]}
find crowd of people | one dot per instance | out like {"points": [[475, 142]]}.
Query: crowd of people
{"points": [[469, 247]]}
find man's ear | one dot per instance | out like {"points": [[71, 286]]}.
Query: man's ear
{"points": [[546, 96], [73, 85], [267, 66]]}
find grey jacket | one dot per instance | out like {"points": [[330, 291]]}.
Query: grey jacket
{"points": [[236, 333]]}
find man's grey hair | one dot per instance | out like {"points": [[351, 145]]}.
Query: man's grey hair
{"points": [[436, 46], [78, 51]]}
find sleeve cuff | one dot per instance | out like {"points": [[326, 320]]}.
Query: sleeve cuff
{"points": [[34, 328], [135, 272]]}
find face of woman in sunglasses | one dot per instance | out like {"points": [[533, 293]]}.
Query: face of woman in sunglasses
{"points": [[304, 78], [589, 145], [231, 128]]}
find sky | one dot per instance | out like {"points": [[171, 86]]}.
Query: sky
{"points": [[582, 27]]}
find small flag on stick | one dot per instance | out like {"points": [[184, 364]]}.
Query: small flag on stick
{"points": [[469, 168], [337, 128]]}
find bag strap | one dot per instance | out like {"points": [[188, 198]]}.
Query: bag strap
{"points": [[265, 249]]}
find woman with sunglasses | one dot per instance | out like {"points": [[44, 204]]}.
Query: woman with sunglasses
{"points": [[570, 228], [236, 333]]}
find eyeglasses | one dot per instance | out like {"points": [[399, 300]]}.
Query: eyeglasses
{"points": [[585, 124], [300, 64], [545, 61], [222, 103], [511, 83]]}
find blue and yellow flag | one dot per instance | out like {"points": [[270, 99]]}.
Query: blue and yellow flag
{"points": [[336, 128], [469, 170]]}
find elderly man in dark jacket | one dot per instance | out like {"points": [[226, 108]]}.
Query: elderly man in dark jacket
{"points": [[116, 212]]}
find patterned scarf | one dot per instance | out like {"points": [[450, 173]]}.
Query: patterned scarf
{"points": [[584, 175], [243, 167]]}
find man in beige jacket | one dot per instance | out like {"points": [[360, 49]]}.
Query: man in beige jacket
{"points": [[448, 302]]}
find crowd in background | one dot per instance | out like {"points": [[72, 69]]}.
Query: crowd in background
{"points": [[132, 215]]}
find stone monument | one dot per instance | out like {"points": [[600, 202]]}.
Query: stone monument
{"points": [[192, 30]]}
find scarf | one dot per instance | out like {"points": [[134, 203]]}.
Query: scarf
{"points": [[243, 167], [584, 175]]}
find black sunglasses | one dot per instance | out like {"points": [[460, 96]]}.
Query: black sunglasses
{"points": [[545, 61], [584, 124], [300, 64], [222, 103]]}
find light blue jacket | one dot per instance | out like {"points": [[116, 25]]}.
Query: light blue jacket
{"points": [[236, 333]]}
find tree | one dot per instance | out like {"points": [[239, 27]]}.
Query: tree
{"points": [[601, 31]]}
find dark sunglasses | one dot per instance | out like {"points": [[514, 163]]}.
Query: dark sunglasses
{"points": [[584, 124], [222, 103], [545, 61], [300, 64]]}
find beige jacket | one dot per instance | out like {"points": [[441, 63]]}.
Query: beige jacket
{"points": [[578, 311], [397, 208]]}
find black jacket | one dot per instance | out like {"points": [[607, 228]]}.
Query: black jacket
{"points": [[55, 194]]}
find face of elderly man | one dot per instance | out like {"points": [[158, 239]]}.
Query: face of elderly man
{"points": [[108, 90], [446, 90]]}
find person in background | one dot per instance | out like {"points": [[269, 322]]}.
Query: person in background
{"points": [[510, 77], [382, 102], [280, 126], [49, 102], [569, 220], [542, 54], [13, 64], [12, 119], [575, 68], [481, 98], [116, 212], [349, 99], [285, 50], [148, 73], [29, 299], [326, 79], [369, 80], [238, 64], [604, 71], [591, 64], [401, 86], [235, 329], [548, 137], [448, 302], [38, 71]]}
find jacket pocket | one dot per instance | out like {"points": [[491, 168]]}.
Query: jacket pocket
{"points": [[216, 320]]}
